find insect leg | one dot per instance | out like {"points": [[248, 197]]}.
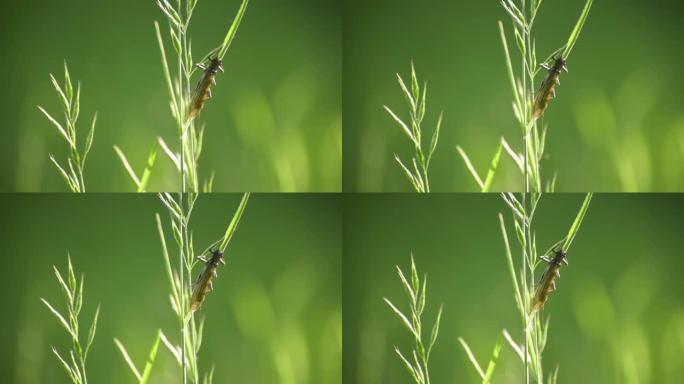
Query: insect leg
{"points": [[545, 258]]}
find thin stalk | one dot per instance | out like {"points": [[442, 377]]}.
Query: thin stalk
{"points": [[181, 268]]}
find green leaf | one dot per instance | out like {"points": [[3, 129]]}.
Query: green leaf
{"points": [[407, 94], [232, 31], [415, 88], [93, 329], [65, 101], [407, 287], [415, 280], [128, 359], [435, 139], [471, 357], [511, 265], [58, 126], [578, 28], [144, 180], [65, 288], [412, 178], [150, 359], [412, 371], [232, 227], [127, 166], [70, 371], [492, 363], [90, 137], [435, 331], [67, 83], [515, 13], [165, 65], [492, 169], [402, 317], [574, 228], [73, 186], [170, 13], [520, 42], [509, 67], [59, 317], [403, 125], [72, 276], [469, 165]]}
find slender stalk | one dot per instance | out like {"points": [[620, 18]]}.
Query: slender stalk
{"points": [[181, 269]]}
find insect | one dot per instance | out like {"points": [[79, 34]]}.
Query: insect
{"points": [[547, 90], [203, 89], [547, 283], [204, 285]]}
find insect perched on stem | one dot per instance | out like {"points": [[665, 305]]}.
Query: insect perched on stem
{"points": [[547, 90], [203, 90], [204, 283], [547, 283]]}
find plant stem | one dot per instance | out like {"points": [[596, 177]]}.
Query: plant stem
{"points": [[181, 267]]}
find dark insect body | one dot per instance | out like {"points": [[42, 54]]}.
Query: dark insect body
{"points": [[547, 283], [204, 283], [547, 90], [203, 89]]}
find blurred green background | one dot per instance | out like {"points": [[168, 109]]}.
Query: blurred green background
{"points": [[617, 124], [274, 315], [617, 315], [274, 123]]}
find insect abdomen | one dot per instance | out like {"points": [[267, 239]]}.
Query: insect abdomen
{"points": [[547, 90], [203, 93], [546, 286], [203, 89], [202, 288]]}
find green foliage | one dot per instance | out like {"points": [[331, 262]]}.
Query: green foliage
{"points": [[145, 376], [140, 182], [180, 91], [486, 376], [417, 363], [534, 325], [180, 211], [75, 364], [73, 173], [486, 184], [417, 172]]}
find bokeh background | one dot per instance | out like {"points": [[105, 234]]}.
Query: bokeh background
{"points": [[617, 315], [274, 123], [617, 124], [274, 315]]}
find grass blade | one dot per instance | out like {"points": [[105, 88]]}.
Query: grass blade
{"points": [[150, 359], [470, 167], [144, 180], [93, 329], [127, 165], [232, 31], [578, 222], [128, 359], [471, 357], [234, 222], [578, 28], [492, 169], [492, 363]]}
